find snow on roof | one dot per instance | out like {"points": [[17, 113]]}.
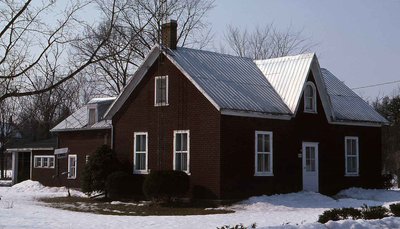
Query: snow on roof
{"points": [[233, 83], [287, 75], [79, 119], [346, 104]]}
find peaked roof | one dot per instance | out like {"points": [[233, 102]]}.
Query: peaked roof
{"points": [[346, 104], [261, 88], [287, 75], [229, 82], [79, 119]]}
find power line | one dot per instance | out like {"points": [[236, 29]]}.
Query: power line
{"points": [[375, 85]]}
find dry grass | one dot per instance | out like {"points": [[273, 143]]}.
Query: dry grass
{"points": [[101, 206]]}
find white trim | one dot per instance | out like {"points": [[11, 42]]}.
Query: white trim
{"points": [[348, 123], [69, 176], [133, 82], [254, 114], [146, 170], [314, 98], [25, 149], [42, 157], [166, 91], [188, 149], [357, 156], [271, 153]]}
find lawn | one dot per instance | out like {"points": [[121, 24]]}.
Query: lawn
{"points": [[143, 208]]}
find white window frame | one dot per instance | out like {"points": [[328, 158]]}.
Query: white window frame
{"points": [[357, 156], [271, 153], [41, 158], [92, 107], [72, 176], [188, 149], [166, 91], [146, 170], [314, 98]]}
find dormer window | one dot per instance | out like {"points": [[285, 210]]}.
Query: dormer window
{"points": [[310, 98], [92, 119], [161, 91]]}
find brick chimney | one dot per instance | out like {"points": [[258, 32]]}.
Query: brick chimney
{"points": [[169, 34]]}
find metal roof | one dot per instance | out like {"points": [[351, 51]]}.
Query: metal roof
{"points": [[287, 75], [233, 83], [79, 119], [346, 104]]}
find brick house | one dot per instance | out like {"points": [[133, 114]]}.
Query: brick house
{"points": [[238, 127]]}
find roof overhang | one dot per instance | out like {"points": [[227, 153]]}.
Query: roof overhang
{"points": [[253, 114], [357, 123], [80, 129], [11, 150]]}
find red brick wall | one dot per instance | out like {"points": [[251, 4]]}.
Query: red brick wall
{"points": [[81, 143], [237, 154], [188, 109]]}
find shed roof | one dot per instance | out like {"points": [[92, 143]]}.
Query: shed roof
{"points": [[346, 104]]}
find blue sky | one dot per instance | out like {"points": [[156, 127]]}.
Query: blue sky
{"points": [[358, 40]]}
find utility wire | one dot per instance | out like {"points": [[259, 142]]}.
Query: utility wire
{"points": [[375, 85]]}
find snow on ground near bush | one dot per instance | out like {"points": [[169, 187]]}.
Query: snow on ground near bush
{"points": [[19, 208]]}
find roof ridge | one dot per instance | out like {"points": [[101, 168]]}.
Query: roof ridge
{"points": [[282, 58], [214, 52]]}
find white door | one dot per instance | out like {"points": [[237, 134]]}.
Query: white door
{"points": [[310, 166]]}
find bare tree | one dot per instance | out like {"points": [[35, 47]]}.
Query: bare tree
{"points": [[266, 42], [136, 31], [33, 34], [8, 130]]}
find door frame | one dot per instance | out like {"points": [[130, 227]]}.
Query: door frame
{"points": [[303, 149]]}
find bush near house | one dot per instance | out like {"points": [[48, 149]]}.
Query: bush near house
{"points": [[122, 185], [366, 212], [395, 209], [101, 163], [165, 185]]}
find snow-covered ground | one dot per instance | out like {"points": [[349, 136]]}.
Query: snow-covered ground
{"points": [[19, 208]]}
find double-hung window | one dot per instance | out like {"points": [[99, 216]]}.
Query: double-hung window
{"points": [[263, 153], [72, 166], [351, 156], [181, 150], [140, 153], [161, 91]]}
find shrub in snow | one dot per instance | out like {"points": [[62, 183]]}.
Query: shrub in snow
{"points": [[165, 185], [395, 209], [122, 185], [100, 164], [339, 214], [374, 212], [387, 181], [238, 226]]}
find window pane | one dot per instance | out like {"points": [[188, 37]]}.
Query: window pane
{"points": [[141, 143], [51, 162], [259, 143], [178, 143], [309, 92], [92, 116], [181, 161], [184, 141], [140, 161], [161, 90], [351, 164], [45, 162], [263, 162], [266, 143]]}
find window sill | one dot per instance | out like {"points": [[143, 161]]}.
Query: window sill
{"points": [[140, 172], [310, 112], [71, 178], [161, 105], [43, 167], [263, 174], [352, 175]]}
